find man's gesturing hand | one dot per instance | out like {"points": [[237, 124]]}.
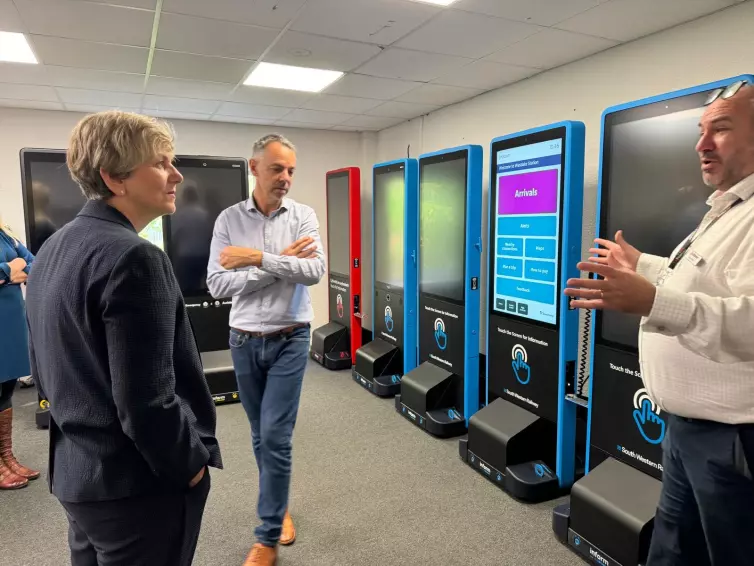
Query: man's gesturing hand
{"points": [[615, 254], [233, 257], [621, 290], [300, 248]]}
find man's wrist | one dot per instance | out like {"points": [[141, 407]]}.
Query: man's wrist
{"points": [[256, 258]]}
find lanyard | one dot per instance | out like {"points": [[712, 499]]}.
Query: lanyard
{"points": [[696, 234]]}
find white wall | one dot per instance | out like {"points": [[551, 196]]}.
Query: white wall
{"points": [[708, 49], [318, 152]]}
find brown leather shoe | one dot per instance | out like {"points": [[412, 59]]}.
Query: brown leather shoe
{"points": [[261, 555], [6, 447], [288, 534], [9, 480]]}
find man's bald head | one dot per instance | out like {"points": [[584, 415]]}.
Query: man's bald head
{"points": [[726, 143]]}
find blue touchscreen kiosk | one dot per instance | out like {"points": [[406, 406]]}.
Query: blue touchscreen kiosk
{"points": [[524, 439], [650, 186], [442, 393], [381, 363]]}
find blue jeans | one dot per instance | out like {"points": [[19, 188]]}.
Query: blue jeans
{"points": [[270, 371], [706, 511]]}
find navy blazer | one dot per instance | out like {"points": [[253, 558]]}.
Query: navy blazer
{"points": [[112, 349]]}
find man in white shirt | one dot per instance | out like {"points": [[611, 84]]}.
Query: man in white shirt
{"points": [[696, 347]]}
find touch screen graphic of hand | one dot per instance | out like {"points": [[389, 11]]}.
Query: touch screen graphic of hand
{"points": [[521, 369]]}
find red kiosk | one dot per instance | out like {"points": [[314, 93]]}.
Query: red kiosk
{"points": [[334, 345]]}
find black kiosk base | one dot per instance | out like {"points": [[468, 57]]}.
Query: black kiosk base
{"points": [[331, 346], [378, 368], [610, 517], [512, 447], [426, 399]]}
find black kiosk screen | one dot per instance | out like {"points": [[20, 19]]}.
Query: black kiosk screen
{"points": [[206, 191], [442, 239], [389, 207], [338, 221], [652, 188]]}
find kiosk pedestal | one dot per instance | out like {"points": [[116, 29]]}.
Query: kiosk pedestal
{"points": [[427, 399], [379, 368], [331, 346], [620, 519], [512, 447]]}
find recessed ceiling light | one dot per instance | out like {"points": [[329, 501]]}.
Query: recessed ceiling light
{"points": [[15, 49], [437, 2], [288, 77]]}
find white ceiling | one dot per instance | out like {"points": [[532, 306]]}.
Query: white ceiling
{"points": [[402, 58]]}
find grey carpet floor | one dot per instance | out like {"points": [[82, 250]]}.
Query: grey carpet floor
{"points": [[368, 489]]}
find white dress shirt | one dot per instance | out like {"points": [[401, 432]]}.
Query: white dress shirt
{"points": [[276, 294], [696, 346]]}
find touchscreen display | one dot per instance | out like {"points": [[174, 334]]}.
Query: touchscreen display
{"points": [[56, 199], [653, 190], [442, 238], [389, 199], [527, 230], [338, 236]]}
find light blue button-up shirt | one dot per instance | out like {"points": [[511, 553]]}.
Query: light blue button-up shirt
{"points": [[275, 295]]}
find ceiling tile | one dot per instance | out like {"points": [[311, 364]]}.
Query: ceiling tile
{"points": [[90, 108], [28, 92], [380, 22], [268, 13], [540, 12], [198, 67], [304, 50], [170, 115], [396, 63], [99, 97], [242, 120], [466, 34], [348, 104], [87, 21], [252, 110], [148, 4], [95, 80], [33, 104], [188, 89], [318, 117], [271, 96], [440, 95], [24, 73], [625, 20], [372, 122], [213, 37], [73, 53], [9, 18], [486, 75], [175, 104], [349, 128], [551, 48], [364, 86], [303, 125], [394, 109]]}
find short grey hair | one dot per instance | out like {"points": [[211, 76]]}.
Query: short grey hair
{"points": [[264, 141]]}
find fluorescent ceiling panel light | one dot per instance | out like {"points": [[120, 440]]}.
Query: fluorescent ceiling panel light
{"points": [[437, 2], [272, 75], [15, 49]]}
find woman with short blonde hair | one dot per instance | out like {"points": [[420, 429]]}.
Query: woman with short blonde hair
{"points": [[131, 416]]}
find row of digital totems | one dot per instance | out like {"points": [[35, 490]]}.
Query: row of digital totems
{"points": [[535, 434]]}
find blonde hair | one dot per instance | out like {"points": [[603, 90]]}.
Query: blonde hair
{"points": [[117, 142], [6, 228]]}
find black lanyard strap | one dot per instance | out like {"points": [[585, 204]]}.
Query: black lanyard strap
{"points": [[696, 234]]}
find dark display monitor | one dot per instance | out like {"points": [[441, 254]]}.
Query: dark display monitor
{"points": [[52, 198], [389, 233], [651, 188], [210, 185], [442, 236], [338, 234], [527, 202]]}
